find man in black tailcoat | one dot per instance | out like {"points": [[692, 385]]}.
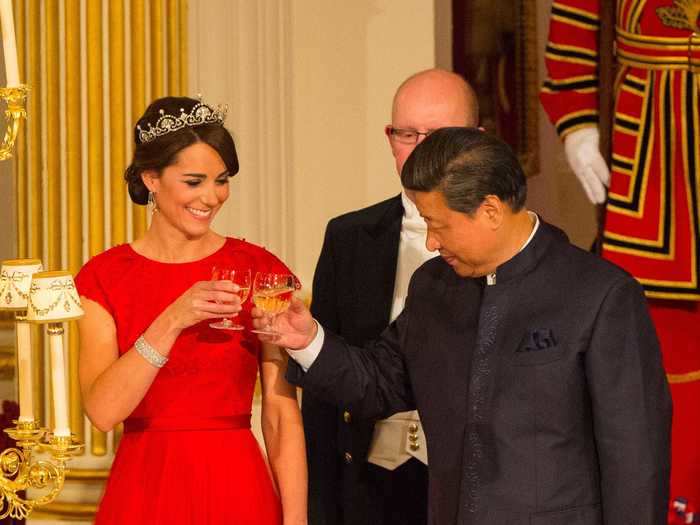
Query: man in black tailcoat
{"points": [[365, 471]]}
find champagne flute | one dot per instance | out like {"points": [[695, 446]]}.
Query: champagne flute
{"points": [[237, 277], [272, 293]]}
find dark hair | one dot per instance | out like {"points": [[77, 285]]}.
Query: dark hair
{"points": [[160, 152], [466, 165]]}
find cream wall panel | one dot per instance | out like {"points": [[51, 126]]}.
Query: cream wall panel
{"points": [[239, 54], [443, 34], [309, 86], [349, 58]]}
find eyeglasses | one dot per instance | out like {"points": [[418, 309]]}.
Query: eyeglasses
{"points": [[407, 136]]}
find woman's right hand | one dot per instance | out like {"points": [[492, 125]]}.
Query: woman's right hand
{"points": [[204, 300], [113, 385]]}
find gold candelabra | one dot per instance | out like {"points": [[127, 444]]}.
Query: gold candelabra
{"points": [[21, 470], [38, 461], [15, 97]]}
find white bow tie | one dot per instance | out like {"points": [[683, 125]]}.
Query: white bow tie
{"points": [[414, 227], [411, 222]]}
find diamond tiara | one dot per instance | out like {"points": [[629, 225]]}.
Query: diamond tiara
{"points": [[200, 114]]}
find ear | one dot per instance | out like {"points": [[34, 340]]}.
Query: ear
{"points": [[493, 210], [387, 132], [150, 180]]}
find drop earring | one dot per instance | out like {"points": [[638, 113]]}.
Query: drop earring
{"points": [[152, 201]]}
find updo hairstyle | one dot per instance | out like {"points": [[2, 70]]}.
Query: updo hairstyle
{"points": [[160, 152]]}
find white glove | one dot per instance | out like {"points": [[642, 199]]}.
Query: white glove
{"points": [[581, 147]]}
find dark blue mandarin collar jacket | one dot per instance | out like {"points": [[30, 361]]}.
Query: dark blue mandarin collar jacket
{"points": [[542, 397]]}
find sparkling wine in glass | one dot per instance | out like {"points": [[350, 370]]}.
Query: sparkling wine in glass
{"points": [[237, 277], [272, 293]]}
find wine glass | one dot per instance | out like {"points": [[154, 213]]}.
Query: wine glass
{"points": [[238, 277], [272, 293]]}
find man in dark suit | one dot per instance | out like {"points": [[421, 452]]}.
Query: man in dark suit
{"points": [[534, 364], [368, 472]]}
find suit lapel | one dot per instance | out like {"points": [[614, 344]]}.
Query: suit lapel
{"points": [[379, 246]]}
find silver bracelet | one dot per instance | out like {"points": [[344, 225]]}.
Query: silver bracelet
{"points": [[149, 353]]}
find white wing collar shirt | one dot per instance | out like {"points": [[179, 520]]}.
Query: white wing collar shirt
{"points": [[400, 437]]}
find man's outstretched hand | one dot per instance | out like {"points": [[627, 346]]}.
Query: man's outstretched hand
{"points": [[295, 327]]}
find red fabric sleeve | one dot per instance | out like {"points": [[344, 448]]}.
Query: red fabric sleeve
{"points": [[89, 283], [570, 92]]}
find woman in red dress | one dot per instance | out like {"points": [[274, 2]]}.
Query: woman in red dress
{"points": [[149, 358]]}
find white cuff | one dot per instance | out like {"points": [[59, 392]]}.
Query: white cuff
{"points": [[306, 356]]}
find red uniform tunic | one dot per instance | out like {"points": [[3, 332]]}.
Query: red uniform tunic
{"points": [[653, 209]]}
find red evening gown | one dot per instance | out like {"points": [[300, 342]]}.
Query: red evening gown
{"points": [[187, 455]]}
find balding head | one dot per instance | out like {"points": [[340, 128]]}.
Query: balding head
{"points": [[440, 91], [430, 100]]}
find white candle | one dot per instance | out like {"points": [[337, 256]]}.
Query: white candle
{"points": [[58, 378], [9, 45], [24, 365]]}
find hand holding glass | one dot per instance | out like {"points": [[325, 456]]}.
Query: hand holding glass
{"points": [[272, 293], [241, 278]]}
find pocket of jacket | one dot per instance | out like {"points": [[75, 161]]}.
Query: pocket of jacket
{"points": [[537, 357], [583, 515]]}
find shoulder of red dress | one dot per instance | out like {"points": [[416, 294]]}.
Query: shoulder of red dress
{"points": [[119, 254], [242, 244]]}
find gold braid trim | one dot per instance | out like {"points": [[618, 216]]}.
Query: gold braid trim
{"points": [[688, 377]]}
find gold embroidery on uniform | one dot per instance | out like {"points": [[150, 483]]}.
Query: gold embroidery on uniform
{"points": [[564, 123], [638, 80], [593, 55], [688, 150], [685, 296], [651, 41], [575, 23], [634, 90], [646, 61], [688, 377], [626, 124], [618, 13], [619, 166], [619, 77], [664, 194], [624, 10], [664, 191], [668, 193], [635, 15], [627, 198], [591, 15], [571, 129], [640, 253], [571, 60], [562, 53], [683, 15], [628, 15], [644, 172], [696, 144], [625, 131], [563, 82]]}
